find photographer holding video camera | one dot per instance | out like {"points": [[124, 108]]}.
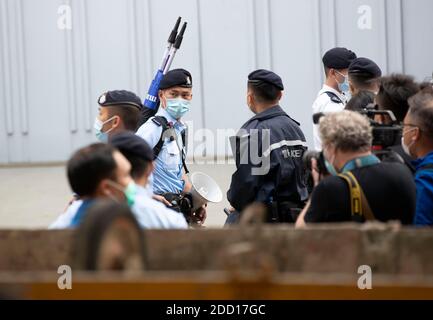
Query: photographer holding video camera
{"points": [[356, 185], [393, 95]]}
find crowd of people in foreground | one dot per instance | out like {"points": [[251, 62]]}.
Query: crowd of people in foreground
{"points": [[356, 174]]}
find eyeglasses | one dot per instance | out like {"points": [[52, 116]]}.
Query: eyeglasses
{"points": [[409, 125]]}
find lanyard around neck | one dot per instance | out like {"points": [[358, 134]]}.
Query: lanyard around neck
{"points": [[361, 162]]}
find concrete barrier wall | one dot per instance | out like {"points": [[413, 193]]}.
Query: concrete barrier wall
{"points": [[213, 285], [338, 249]]}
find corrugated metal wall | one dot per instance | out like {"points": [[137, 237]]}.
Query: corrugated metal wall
{"points": [[50, 78]]}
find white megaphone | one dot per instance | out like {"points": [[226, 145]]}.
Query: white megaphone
{"points": [[204, 189]]}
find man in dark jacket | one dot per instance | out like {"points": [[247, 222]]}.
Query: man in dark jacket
{"points": [[268, 151]]}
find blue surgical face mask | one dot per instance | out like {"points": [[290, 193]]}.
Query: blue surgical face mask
{"points": [[348, 96], [178, 107], [344, 86], [97, 126]]}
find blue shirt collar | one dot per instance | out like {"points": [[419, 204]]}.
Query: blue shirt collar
{"points": [[81, 212], [163, 113], [418, 163]]}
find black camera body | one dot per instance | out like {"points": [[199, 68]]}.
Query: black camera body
{"points": [[181, 203], [384, 135], [321, 167], [184, 203], [320, 159]]}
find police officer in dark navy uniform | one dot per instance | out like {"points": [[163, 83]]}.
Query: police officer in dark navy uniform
{"points": [[364, 75], [268, 150]]}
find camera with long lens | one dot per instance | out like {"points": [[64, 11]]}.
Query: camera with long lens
{"points": [[386, 134], [311, 154], [320, 159], [321, 167]]}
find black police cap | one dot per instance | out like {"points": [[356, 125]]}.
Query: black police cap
{"points": [[365, 67], [129, 143], [176, 78], [267, 76], [338, 58], [120, 98]]}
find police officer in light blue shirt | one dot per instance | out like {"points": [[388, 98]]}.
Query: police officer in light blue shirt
{"points": [[175, 100], [166, 134], [168, 176]]}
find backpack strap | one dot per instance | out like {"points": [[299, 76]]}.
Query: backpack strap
{"points": [[146, 114], [359, 205], [184, 135], [334, 97], [162, 122]]}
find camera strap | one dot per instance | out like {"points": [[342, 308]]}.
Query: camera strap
{"points": [[359, 205], [361, 162]]}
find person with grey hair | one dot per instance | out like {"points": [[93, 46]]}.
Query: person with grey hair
{"points": [[417, 142], [359, 186]]}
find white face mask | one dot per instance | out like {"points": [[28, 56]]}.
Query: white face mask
{"points": [[97, 127], [406, 147]]}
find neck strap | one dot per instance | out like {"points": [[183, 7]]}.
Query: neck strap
{"points": [[360, 162]]}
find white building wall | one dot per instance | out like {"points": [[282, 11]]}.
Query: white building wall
{"points": [[50, 78]]}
